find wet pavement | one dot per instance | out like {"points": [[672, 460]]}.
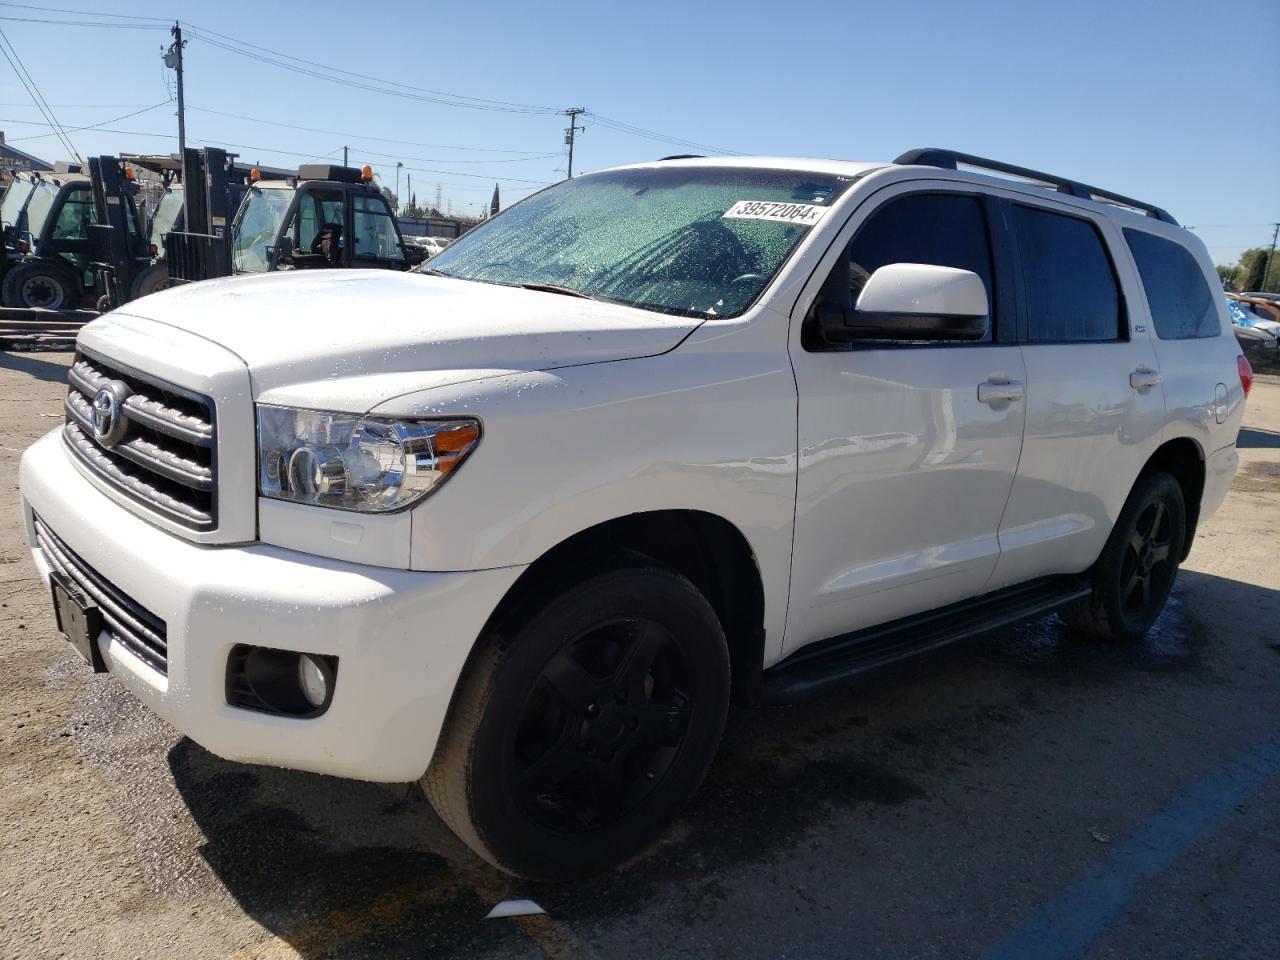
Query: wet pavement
{"points": [[1030, 793]]}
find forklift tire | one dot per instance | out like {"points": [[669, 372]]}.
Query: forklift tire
{"points": [[39, 284], [150, 280]]}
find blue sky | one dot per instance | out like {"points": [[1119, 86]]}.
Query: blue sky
{"points": [[1172, 102]]}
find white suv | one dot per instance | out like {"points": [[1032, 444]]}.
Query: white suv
{"points": [[518, 525]]}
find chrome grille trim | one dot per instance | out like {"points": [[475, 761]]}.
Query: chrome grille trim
{"points": [[129, 623], [167, 459]]}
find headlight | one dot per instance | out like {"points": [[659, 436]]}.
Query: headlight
{"points": [[369, 464]]}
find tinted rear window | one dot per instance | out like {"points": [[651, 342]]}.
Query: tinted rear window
{"points": [[1070, 285], [1182, 306]]}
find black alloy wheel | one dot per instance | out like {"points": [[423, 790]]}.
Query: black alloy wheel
{"points": [[1135, 573], [603, 724], [586, 719]]}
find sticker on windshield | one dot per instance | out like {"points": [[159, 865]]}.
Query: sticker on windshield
{"points": [[805, 214]]}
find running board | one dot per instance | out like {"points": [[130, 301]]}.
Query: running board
{"points": [[819, 665]]}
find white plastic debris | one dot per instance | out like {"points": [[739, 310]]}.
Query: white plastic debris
{"points": [[514, 908]]}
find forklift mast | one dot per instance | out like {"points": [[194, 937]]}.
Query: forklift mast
{"points": [[202, 250], [117, 249]]}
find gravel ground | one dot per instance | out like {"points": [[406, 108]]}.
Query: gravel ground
{"points": [[1028, 794]]}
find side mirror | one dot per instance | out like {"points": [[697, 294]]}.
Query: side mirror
{"points": [[911, 301]]}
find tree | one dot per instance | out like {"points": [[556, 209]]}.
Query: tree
{"points": [[1247, 275], [392, 200]]}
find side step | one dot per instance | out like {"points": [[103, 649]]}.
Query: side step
{"points": [[822, 664]]}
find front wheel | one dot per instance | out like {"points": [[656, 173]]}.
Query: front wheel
{"points": [[577, 735], [40, 284], [1135, 573]]}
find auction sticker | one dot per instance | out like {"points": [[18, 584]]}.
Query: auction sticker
{"points": [[805, 214]]}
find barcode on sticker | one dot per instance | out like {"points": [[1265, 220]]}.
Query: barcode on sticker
{"points": [[805, 214]]}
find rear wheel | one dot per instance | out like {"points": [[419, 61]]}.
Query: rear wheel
{"points": [[578, 735], [1135, 573], [38, 284], [150, 280]]}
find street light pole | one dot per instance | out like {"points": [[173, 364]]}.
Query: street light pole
{"points": [[399, 164]]}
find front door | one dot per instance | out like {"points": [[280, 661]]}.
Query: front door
{"points": [[906, 452]]}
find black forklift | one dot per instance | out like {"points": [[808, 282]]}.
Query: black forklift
{"points": [[79, 240], [324, 217]]}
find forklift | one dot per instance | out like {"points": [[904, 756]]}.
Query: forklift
{"points": [[324, 217], [78, 238]]}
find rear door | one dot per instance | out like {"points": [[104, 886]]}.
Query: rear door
{"points": [[1095, 404], [903, 471]]}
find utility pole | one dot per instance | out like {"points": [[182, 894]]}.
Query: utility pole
{"points": [[399, 164], [173, 60], [344, 157], [572, 113], [1270, 253], [408, 189]]}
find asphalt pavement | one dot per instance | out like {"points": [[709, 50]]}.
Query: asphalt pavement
{"points": [[1027, 794]]}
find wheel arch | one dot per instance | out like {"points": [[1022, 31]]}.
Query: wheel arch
{"points": [[704, 547], [1184, 459]]}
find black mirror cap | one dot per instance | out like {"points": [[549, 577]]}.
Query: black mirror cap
{"points": [[842, 325]]}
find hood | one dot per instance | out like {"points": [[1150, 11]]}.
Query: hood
{"points": [[314, 327]]}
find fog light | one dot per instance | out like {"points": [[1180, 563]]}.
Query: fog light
{"points": [[314, 680], [282, 682]]}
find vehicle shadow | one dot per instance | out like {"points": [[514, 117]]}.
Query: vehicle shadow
{"points": [[1254, 439], [347, 869], [37, 367]]}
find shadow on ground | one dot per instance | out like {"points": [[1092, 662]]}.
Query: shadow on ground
{"points": [[37, 367], [346, 869], [1251, 439]]}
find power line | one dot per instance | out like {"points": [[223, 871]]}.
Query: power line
{"points": [[622, 127], [84, 23], [381, 86], [360, 81], [89, 13], [28, 82], [92, 126], [519, 107], [361, 136]]}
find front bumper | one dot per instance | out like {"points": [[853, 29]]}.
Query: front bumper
{"points": [[402, 637]]}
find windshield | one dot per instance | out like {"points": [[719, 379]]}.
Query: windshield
{"points": [[693, 241], [14, 198], [256, 227], [166, 216], [38, 208]]}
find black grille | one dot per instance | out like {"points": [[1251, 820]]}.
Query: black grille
{"points": [[166, 459], [129, 623]]}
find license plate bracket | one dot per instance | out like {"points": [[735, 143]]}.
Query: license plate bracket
{"points": [[79, 620]]}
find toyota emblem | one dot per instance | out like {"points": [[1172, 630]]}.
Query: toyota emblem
{"points": [[109, 423]]}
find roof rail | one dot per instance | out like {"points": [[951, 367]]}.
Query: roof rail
{"points": [[951, 159], [682, 156]]}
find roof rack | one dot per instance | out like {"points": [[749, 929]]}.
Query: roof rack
{"points": [[951, 159], [682, 156]]}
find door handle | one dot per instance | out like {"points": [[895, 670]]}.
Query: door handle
{"points": [[1144, 378], [998, 389]]}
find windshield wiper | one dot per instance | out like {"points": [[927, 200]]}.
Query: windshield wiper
{"points": [[553, 288]]}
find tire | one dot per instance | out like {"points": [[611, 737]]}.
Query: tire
{"points": [[39, 284], [1135, 573], [576, 735], [150, 280]]}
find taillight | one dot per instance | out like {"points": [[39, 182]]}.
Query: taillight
{"points": [[23, 247], [1246, 374], [153, 249]]}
